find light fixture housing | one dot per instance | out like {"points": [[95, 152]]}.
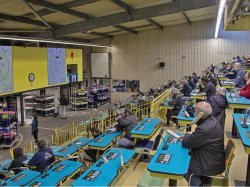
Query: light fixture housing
{"points": [[219, 17], [26, 39]]}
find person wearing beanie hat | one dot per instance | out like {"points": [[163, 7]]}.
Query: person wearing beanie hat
{"points": [[19, 158], [218, 103]]}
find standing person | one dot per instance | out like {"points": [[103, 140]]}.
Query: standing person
{"points": [[34, 128], [95, 98], [63, 102]]}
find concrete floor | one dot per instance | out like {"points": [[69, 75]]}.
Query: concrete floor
{"points": [[48, 124], [130, 177]]}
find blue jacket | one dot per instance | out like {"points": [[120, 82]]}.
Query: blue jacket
{"points": [[239, 81], [34, 126], [191, 83], [42, 159]]}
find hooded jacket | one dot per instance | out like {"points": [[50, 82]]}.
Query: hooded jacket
{"points": [[19, 158]]}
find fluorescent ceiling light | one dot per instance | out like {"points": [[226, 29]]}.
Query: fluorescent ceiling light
{"points": [[219, 17], [25, 39]]}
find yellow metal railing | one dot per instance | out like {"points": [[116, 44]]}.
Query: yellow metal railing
{"points": [[102, 121]]}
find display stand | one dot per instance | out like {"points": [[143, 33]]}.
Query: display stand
{"points": [[78, 99], [45, 105]]}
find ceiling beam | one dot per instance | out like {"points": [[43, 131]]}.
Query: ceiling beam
{"points": [[153, 22], [125, 29], [124, 6], [99, 34], [138, 14], [21, 30], [37, 15], [20, 20], [70, 4], [187, 18], [58, 8]]}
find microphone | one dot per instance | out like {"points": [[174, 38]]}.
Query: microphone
{"points": [[157, 141], [244, 125]]}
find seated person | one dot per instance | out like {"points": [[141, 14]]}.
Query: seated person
{"points": [[230, 72], [19, 158], [91, 154], [126, 123], [239, 80], [211, 77], [43, 158], [218, 103], [223, 67], [208, 87], [245, 91], [186, 89], [176, 103], [189, 107], [191, 82], [207, 148], [195, 78]]}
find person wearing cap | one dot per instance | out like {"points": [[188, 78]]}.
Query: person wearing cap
{"points": [[207, 147], [176, 103], [245, 91], [43, 158], [126, 123], [19, 158], [218, 103]]}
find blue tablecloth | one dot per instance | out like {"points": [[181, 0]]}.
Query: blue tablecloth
{"points": [[4, 165], [181, 115], [244, 132], [106, 138], [57, 173], [178, 163], [146, 127], [72, 147], [241, 100], [22, 178], [106, 173]]}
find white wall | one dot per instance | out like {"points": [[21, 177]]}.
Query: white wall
{"points": [[185, 49]]}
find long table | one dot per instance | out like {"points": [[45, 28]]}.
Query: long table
{"points": [[103, 141], [146, 128], [105, 174], [176, 167], [58, 174], [199, 96], [72, 148], [22, 178], [245, 139], [183, 119], [238, 105]]}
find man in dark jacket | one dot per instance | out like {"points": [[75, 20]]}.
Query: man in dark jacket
{"points": [[176, 103], [19, 158], [43, 158], [195, 78], [209, 87], [191, 82], [186, 89], [207, 148], [63, 102], [218, 103], [126, 123]]}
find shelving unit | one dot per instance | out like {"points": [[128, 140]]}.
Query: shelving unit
{"points": [[103, 92], [45, 105], [78, 99], [29, 107]]}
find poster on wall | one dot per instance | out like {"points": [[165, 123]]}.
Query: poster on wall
{"points": [[126, 85], [119, 86], [132, 85], [56, 66], [6, 73]]}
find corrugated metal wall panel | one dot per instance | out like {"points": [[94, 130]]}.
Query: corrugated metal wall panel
{"points": [[184, 48]]}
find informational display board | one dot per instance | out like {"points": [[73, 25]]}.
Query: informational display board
{"points": [[100, 65], [56, 66], [126, 85], [6, 73]]}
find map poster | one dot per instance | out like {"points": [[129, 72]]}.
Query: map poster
{"points": [[56, 65], [6, 74]]}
